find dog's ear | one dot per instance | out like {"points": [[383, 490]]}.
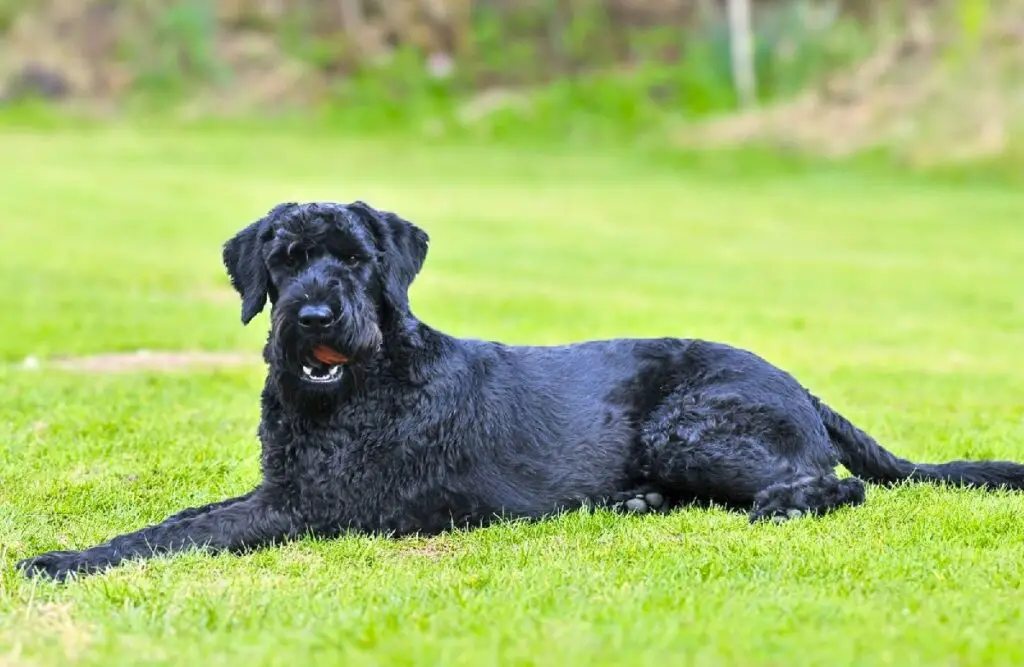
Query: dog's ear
{"points": [[243, 259], [403, 249]]}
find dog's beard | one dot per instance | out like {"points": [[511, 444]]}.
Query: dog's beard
{"points": [[322, 360]]}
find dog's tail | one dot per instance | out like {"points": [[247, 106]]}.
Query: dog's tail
{"points": [[865, 458]]}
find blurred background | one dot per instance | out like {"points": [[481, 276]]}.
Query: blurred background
{"points": [[923, 81]]}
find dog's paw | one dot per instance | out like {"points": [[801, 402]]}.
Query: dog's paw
{"points": [[639, 502], [57, 565], [776, 514]]}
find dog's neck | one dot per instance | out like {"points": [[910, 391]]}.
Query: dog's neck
{"points": [[406, 339]]}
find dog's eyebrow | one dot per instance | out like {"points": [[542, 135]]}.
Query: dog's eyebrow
{"points": [[348, 241], [351, 219]]}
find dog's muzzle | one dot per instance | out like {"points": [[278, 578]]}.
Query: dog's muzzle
{"points": [[310, 339]]}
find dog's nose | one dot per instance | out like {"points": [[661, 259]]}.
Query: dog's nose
{"points": [[315, 316]]}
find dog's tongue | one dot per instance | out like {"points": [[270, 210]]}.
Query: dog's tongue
{"points": [[328, 356]]}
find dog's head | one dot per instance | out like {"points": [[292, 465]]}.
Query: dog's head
{"points": [[337, 276]]}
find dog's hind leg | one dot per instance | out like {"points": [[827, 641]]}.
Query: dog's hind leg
{"points": [[742, 473], [807, 495], [771, 462]]}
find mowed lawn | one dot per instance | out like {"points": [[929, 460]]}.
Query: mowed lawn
{"points": [[899, 302]]}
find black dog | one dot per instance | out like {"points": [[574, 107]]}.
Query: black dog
{"points": [[373, 421]]}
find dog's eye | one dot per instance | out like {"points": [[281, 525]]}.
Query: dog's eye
{"points": [[294, 256]]}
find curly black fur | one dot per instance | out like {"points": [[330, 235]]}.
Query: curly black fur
{"points": [[420, 431]]}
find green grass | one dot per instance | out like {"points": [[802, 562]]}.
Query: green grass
{"points": [[899, 301]]}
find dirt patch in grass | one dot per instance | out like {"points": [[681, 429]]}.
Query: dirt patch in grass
{"points": [[145, 360], [215, 295], [431, 550]]}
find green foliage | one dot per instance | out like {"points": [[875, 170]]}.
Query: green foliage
{"points": [[973, 17], [572, 87], [296, 31], [177, 51], [800, 42], [970, 18], [568, 68], [396, 95], [9, 12]]}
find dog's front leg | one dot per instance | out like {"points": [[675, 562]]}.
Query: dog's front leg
{"points": [[236, 525], [203, 509]]}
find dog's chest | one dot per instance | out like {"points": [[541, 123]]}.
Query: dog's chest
{"points": [[336, 474]]}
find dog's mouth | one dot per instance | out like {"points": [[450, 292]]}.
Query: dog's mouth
{"points": [[318, 373], [324, 366]]}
